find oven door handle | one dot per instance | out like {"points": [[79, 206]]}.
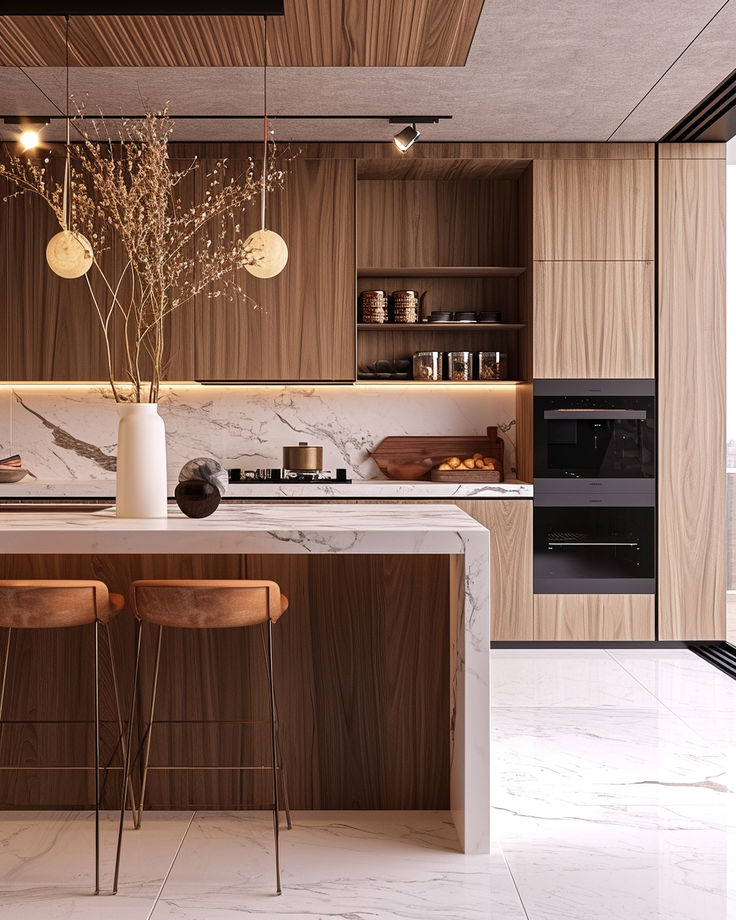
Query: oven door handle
{"points": [[594, 414]]}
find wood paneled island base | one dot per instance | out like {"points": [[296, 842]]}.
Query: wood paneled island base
{"points": [[364, 699]]}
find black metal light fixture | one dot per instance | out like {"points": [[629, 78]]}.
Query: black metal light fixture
{"points": [[405, 138], [408, 135]]}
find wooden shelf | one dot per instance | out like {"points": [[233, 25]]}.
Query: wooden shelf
{"points": [[438, 327], [437, 383], [444, 271]]}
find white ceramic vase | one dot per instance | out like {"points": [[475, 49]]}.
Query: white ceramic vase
{"points": [[141, 477]]}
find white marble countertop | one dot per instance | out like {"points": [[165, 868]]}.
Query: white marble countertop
{"points": [[363, 488], [258, 528]]}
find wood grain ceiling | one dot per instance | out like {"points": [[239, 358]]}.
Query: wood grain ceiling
{"points": [[312, 33]]}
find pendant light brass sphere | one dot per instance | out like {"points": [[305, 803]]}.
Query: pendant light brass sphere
{"points": [[269, 252], [265, 251], [69, 254]]}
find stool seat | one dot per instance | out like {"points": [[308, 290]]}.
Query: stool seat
{"points": [[56, 603], [207, 604]]}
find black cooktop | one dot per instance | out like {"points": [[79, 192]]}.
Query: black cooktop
{"points": [[266, 476]]}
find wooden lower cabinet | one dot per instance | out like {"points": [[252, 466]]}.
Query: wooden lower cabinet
{"points": [[593, 617], [510, 524]]}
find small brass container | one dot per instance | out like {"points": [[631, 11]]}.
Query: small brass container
{"points": [[303, 457]]}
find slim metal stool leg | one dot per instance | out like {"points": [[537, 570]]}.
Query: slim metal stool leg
{"points": [[282, 768], [274, 768], [6, 658], [97, 756], [126, 769], [123, 745], [149, 730]]}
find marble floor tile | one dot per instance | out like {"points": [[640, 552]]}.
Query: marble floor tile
{"points": [[47, 863], [356, 865], [681, 682], [603, 756], [637, 863], [613, 800], [584, 677]]}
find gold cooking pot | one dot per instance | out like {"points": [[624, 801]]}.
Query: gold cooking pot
{"points": [[304, 458]]}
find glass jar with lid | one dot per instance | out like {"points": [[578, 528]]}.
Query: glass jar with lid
{"points": [[493, 365], [459, 365], [427, 365]]}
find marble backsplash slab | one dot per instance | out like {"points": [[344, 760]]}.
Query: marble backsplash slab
{"points": [[70, 432]]}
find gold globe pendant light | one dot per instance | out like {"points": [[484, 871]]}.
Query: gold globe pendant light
{"points": [[266, 250], [68, 253]]}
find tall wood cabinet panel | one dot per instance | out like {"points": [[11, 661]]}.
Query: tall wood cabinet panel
{"points": [[303, 327], [593, 209], [593, 617], [594, 319], [691, 415]]}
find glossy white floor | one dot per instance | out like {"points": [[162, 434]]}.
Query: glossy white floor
{"points": [[613, 799]]}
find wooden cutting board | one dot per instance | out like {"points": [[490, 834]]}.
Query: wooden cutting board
{"points": [[406, 457]]}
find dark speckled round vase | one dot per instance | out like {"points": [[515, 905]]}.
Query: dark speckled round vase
{"points": [[197, 499]]}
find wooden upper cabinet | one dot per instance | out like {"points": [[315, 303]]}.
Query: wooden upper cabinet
{"points": [[594, 209], [303, 327], [593, 319], [52, 328]]}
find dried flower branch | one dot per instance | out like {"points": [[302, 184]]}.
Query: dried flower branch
{"points": [[127, 197]]}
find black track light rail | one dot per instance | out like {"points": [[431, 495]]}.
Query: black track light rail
{"points": [[392, 119]]}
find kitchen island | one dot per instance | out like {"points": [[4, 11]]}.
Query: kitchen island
{"points": [[328, 530]]}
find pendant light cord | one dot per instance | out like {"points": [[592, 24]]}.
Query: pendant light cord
{"points": [[265, 123], [67, 165]]}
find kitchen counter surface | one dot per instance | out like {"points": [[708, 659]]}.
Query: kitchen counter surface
{"points": [[365, 488], [334, 529]]}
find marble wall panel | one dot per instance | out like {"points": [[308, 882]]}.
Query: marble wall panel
{"points": [[70, 432]]}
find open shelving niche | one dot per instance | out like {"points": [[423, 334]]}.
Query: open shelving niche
{"points": [[459, 230]]}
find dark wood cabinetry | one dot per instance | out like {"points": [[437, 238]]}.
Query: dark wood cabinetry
{"points": [[49, 325], [303, 325]]}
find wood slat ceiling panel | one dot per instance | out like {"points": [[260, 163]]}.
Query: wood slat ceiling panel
{"points": [[312, 33]]}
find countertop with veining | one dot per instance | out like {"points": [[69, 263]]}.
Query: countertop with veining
{"points": [[374, 489]]}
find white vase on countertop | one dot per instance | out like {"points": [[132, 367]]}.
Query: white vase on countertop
{"points": [[141, 487]]}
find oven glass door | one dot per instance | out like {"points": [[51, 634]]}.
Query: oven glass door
{"points": [[593, 550], [594, 437]]}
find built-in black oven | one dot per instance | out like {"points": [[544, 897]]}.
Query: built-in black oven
{"points": [[588, 431], [594, 549], [594, 486]]}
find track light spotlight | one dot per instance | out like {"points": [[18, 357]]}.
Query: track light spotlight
{"points": [[30, 126], [406, 137]]}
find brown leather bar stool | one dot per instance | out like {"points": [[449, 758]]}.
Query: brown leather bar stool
{"points": [[210, 604], [41, 604]]}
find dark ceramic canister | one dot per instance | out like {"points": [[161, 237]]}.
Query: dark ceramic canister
{"points": [[196, 498]]}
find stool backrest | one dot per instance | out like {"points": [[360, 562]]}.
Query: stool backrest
{"points": [[48, 604], [193, 604]]}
